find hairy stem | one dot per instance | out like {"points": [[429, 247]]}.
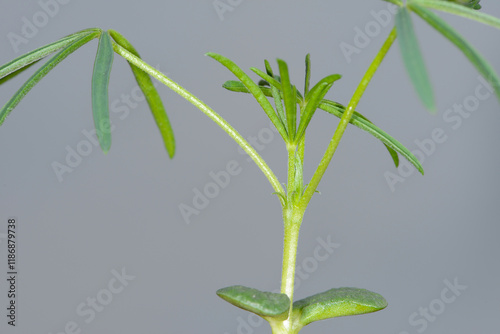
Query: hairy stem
{"points": [[207, 111], [292, 220], [344, 121]]}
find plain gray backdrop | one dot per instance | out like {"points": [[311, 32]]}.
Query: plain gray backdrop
{"points": [[120, 212]]}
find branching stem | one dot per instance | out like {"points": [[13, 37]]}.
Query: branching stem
{"points": [[259, 161], [344, 121]]}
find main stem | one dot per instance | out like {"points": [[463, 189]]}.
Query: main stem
{"points": [[344, 121], [292, 219], [296, 204]]}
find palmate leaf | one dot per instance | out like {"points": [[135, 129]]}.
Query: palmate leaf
{"points": [[151, 94], [337, 303], [100, 82], [413, 59], [33, 56], [483, 67], [43, 71], [264, 304]]}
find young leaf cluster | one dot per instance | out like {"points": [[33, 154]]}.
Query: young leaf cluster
{"points": [[274, 86], [100, 80]]}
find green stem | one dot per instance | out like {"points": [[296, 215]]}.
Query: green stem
{"points": [[292, 220], [344, 121], [207, 111]]}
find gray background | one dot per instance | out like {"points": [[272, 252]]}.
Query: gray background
{"points": [[122, 210]]}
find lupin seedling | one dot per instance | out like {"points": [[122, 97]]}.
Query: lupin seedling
{"points": [[291, 115]]}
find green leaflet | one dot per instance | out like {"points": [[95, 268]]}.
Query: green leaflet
{"points": [[278, 102], [151, 94], [483, 67], [264, 304], [272, 81], [35, 55], [412, 58], [15, 73], [275, 93], [42, 72], [307, 80], [338, 109], [254, 90], [237, 86], [290, 99], [337, 303], [312, 101], [361, 122], [392, 152], [100, 82]]}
